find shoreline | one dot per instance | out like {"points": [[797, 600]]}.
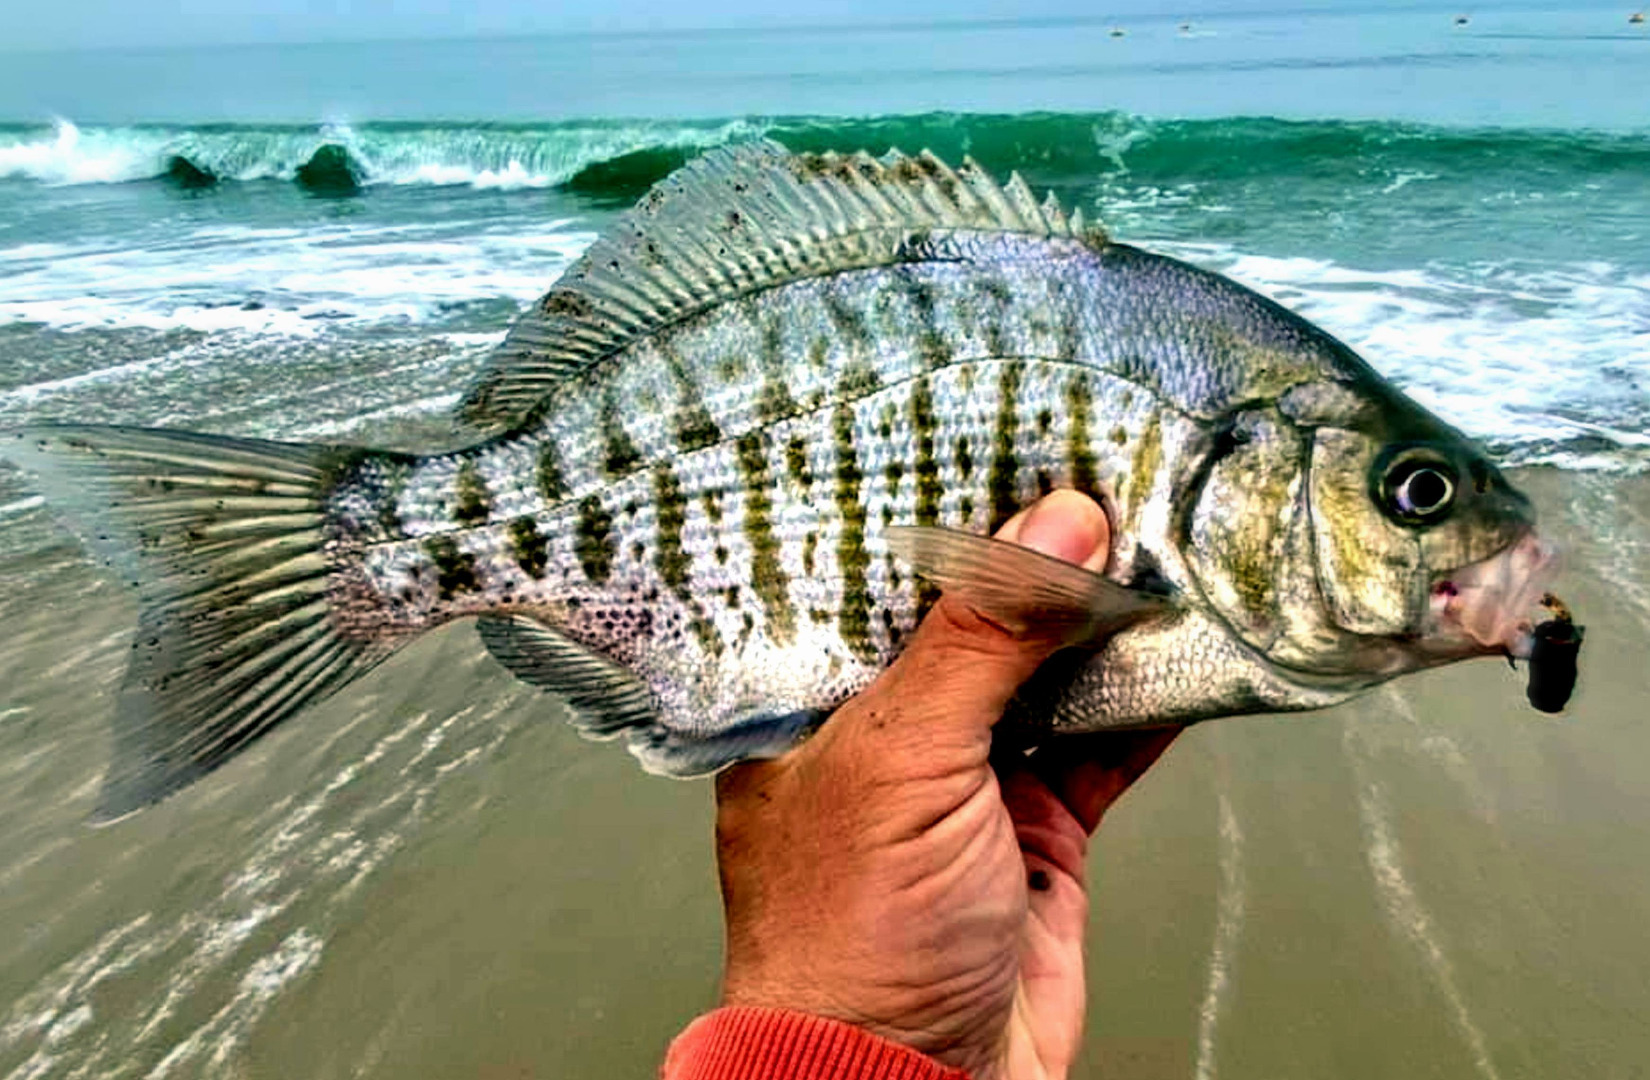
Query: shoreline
{"points": [[1432, 851]]}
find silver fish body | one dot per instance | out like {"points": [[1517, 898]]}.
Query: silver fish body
{"points": [[709, 439]]}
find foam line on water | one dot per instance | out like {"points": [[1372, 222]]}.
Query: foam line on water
{"points": [[56, 1012], [331, 429], [220, 1036], [32, 393], [1616, 539], [35, 1011], [1229, 918], [230, 956], [1444, 751], [21, 506], [216, 940], [1544, 362], [1402, 904]]}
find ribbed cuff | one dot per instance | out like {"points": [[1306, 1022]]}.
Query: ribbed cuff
{"points": [[738, 1043]]}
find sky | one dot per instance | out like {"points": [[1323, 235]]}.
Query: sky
{"points": [[81, 24]]}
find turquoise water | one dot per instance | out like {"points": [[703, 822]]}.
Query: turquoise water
{"points": [[1520, 63], [424, 879], [1469, 204], [1497, 273]]}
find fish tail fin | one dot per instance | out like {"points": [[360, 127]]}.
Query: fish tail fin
{"points": [[223, 540]]}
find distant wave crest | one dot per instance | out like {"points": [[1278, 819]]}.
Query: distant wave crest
{"points": [[479, 156]]}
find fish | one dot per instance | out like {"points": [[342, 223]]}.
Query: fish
{"points": [[720, 471]]}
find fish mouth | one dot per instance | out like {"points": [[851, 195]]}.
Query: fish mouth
{"points": [[1484, 608]]}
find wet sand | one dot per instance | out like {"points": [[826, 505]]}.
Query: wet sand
{"points": [[431, 876]]}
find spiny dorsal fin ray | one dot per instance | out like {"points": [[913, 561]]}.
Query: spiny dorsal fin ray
{"points": [[738, 220]]}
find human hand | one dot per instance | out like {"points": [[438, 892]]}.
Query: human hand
{"points": [[885, 874]]}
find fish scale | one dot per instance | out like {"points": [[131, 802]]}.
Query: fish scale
{"points": [[725, 465], [785, 612], [720, 344]]}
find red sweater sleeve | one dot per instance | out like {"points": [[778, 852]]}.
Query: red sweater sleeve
{"points": [[773, 1044]]}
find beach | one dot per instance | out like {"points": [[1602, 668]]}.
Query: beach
{"points": [[431, 875]]}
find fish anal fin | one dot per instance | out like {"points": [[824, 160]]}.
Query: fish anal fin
{"points": [[606, 697], [1022, 590]]}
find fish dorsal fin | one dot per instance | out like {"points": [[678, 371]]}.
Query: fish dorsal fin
{"points": [[736, 221]]}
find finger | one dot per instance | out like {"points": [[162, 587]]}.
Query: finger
{"points": [[962, 666], [1050, 836], [1066, 525], [1088, 773], [1054, 847]]}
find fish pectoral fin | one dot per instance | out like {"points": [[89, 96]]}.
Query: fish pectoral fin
{"points": [[606, 697], [1020, 589]]}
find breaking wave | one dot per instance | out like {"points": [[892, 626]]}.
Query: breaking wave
{"points": [[617, 158], [1498, 276], [486, 156]]}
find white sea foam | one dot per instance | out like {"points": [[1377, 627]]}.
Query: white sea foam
{"points": [[1404, 179], [1403, 906], [444, 156], [1550, 362], [228, 957], [512, 177], [1229, 916], [31, 393], [20, 506], [69, 156], [286, 281], [1614, 538], [1543, 359], [427, 406], [1443, 749], [219, 1037]]}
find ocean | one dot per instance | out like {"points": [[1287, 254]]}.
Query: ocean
{"points": [[431, 876]]}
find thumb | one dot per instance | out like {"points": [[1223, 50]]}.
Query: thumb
{"points": [[960, 668]]}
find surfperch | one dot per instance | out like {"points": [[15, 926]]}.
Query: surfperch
{"points": [[723, 467]]}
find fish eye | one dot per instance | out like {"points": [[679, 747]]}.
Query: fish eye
{"points": [[1418, 488]]}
